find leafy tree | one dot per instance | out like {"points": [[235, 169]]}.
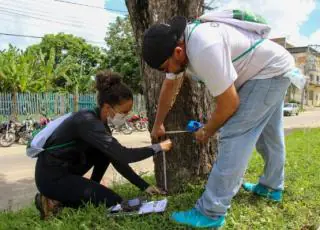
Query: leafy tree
{"points": [[15, 72], [84, 60], [48, 72], [121, 53]]}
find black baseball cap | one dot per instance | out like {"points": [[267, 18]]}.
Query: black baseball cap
{"points": [[160, 40]]}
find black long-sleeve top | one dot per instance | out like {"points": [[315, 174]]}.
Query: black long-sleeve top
{"points": [[84, 130]]}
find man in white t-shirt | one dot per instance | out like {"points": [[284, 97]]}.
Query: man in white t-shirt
{"points": [[244, 72]]}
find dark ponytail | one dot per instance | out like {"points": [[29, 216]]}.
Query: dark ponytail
{"points": [[111, 89]]}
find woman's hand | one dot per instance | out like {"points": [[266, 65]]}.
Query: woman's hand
{"points": [[153, 190], [166, 145]]}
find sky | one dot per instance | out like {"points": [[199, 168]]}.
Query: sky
{"points": [[298, 20], [39, 17]]}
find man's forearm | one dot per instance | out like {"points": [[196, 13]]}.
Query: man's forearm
{"points": [[167, 93], [218, 118], [226, 105]]}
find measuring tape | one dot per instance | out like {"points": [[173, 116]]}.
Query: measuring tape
{"points": [[164, 171]]}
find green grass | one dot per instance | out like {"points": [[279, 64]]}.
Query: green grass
{"points": [[300, 208]]}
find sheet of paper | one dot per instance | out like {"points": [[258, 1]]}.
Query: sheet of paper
{"points": [[153, 206], [147, 207], [116, 208]]}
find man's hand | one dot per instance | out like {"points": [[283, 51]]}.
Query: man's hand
{"points": [[157, 132], [203, 135], [153, 190], [226, 105]]}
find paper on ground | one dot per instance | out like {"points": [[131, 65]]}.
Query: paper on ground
{"points": [[148, 207], [153, 206]]}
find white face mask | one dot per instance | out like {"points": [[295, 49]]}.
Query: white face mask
{"points": [[118, 119]]}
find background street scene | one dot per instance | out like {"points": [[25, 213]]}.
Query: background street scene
{"points": [[17, 186]]}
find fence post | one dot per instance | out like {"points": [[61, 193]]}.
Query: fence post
{"points": [[76, 99], [52, 103]]}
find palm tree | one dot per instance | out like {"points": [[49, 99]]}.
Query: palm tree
{"points": [[15, 73], [48, 71]]}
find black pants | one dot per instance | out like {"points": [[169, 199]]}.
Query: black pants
{"points": [[65, 182]]}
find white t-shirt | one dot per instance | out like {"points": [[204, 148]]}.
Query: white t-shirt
{"points": [[212, 46]]}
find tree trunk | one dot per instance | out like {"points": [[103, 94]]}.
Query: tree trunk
{"points": [[14, 106], [187, 162]]}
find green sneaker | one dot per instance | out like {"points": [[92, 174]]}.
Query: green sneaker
{"points": [[194, 218], [261, 190]]}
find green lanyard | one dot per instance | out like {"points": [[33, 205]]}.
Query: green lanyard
{"points": [[198, 22], [248, 50]]}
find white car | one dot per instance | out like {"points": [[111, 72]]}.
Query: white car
{"points": [[290, 109]]}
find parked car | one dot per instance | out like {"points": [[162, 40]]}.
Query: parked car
{"points": [[290, 109]]}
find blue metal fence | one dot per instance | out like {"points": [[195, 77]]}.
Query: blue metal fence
{"points": [[52, 103]]}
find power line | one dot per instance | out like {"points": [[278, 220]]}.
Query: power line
{"points": [[20, 35], [97, 7], [90, 32], [12, 12], [26, 7], [39, 37], [39, 15], [39, 18]]}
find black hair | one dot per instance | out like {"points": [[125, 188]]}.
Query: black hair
{"points": [[111, 89]]}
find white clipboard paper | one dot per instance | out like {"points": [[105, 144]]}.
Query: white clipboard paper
{"points": [[146, 208]]}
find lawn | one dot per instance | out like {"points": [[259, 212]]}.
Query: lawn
{"points": [[300, 208]]}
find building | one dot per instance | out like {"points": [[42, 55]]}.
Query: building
{"points": [[307, 59]]}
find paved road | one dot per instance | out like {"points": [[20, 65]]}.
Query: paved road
{"points": [[17, 171]]}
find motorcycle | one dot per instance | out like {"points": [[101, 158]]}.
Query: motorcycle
{"points": [[44, 120], [24, 130], [12, 132], [8, 134], [138, 122]]}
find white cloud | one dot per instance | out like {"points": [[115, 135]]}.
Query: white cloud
{"points": [[39, 17], [285, 16], [315, 37], [50, 16]]}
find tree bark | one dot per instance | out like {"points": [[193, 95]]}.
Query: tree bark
{"points": [[14, 106], [187, 162]]}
